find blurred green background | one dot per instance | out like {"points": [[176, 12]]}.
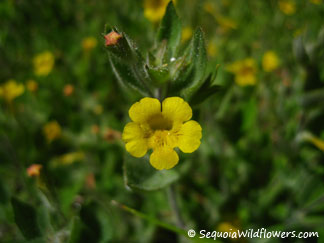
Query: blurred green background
{"points": [[261, 161]]}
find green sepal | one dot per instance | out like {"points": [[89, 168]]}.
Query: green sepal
{"points": [[198, 57], [140, 175], [127, 76], [206, 90], [26, 219], [170, 30], [158, 75], [124, 49], [190, 70]]}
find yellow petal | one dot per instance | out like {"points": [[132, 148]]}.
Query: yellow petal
{"points": [[137, 148], [133, 136], [270, 61], [164, 158], [245, 80], [132, 131], [144, 109], [176, 109], [189, 137], [234, 67]]}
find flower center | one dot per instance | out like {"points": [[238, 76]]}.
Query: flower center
{"points": [[155, 4], [246, 70], [158, 122]]}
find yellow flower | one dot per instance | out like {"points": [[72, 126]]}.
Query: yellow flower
{"points": [[186, 34], [52, 131], [154, 9], [228, 227], [316, 1], [71, 158], [43, 63], [288, 7], [212, 49], [89, 43], [161, 129], [244, 71], [224, 22], [32, 86], [270, 61], [11, 90]]}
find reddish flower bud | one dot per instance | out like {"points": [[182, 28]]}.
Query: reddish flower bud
{"points": [[112, 38]]}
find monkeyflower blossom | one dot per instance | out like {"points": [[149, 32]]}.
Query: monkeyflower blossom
{"points": [[161, 128], [186, 34], [288, 7], [11, 90], [32, 85], [154, 9], [52, 131], [43, 63], [89, 43], [270, 61], [244, 71]]}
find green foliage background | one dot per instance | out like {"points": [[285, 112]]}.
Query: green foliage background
{"points": [[253, 168]]}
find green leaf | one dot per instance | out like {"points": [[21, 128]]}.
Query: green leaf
{"points": [[205, 91], [197, 60], [139, 174], [4, 195], [127, 77], [76, 228], [249, 114], [300, 52], [170, 29], [26, 218]]}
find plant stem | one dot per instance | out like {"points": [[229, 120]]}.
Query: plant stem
{"points": [[174, 206]]}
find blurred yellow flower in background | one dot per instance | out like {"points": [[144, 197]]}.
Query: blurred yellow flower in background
{"points": [[224, 22], [288, 7], [316, 1], [89, 43], [270, 61], [186, 34], [32, 85], [43, 63], [228, 227], [34, 170], [52, 130], [161, 128], [71, 158], [212, 49], [244, 71], [11, 90], [154, 9]]}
